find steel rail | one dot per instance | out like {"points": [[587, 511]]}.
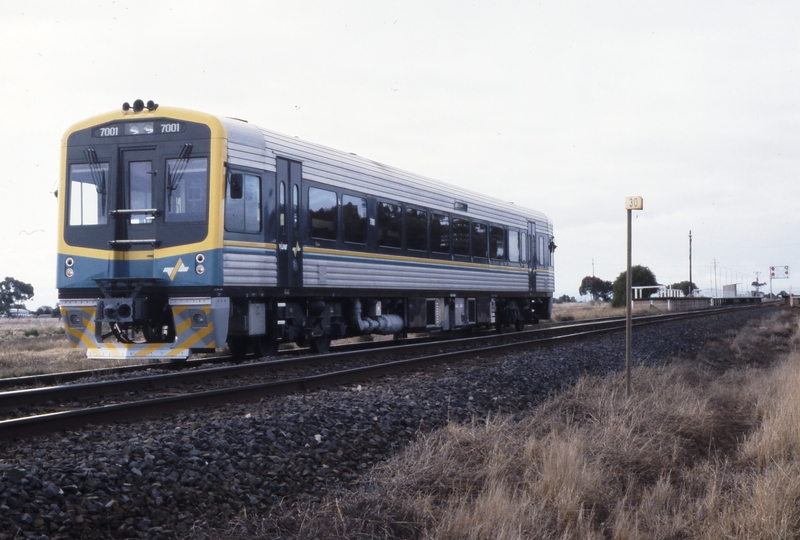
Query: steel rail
{"points": [[52, 379], [51, 422], [32, 396]]}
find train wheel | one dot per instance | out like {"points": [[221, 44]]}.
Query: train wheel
{"points": [[239, 346], [501, 328], [265, 346], [519, 324], [321, 344]]}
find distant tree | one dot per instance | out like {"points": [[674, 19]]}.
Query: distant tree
{"points": [[641, 276], [13, 292], [685, 286], [599, 289], [44, 310], [56, 314], [757, 286], [564, 299]]}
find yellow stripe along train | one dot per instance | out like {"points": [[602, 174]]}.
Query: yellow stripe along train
{"points": [[181, 231]]}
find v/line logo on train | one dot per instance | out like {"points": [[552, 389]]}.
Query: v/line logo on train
{"points": [[180, 231]]}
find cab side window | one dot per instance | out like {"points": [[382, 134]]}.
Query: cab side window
{"points": [[243, 214]]}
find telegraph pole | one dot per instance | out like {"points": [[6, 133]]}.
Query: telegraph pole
{"points": [[691, 292], [715, 277]]}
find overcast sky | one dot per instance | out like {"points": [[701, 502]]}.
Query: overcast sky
{"points": [[562, 106]]}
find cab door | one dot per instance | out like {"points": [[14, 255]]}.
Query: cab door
{"points": [[532, 258], [138, 205], [290, 226]]}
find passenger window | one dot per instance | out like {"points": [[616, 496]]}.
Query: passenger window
{"points": [[460, 237], [323, 214], [440, 233], [548, 254], [523, 247], [497, 243], [187, 190], [416, 229], [244, 215], [540, 257], [479, 240], [140, 190], [354, 219], [87, 194], [513, 246], [282, 207], [295, 210], [389, 225]]}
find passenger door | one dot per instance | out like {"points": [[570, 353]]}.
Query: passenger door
{"points": [[290, 223]]}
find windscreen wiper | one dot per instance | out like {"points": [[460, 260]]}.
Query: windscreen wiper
{"points": [[98, 176], [176, 171]]}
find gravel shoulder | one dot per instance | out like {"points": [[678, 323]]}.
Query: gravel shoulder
{"points": [[200, 473]]}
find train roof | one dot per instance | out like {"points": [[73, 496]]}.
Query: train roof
{"points": [[342, 169], [256, 147]]}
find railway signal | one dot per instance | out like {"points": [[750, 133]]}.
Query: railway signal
{"points": [[777, 272]]}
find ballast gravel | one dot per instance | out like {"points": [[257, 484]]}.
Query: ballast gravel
{"points": [[183, 475]]}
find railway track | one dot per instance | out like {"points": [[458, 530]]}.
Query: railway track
{"points": [[37, 411], [53, 379]]}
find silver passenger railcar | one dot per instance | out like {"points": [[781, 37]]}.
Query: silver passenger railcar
{"points": [[289, 241]]}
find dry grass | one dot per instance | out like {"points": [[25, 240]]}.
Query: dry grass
{"points": [[32, 346], [577, 311], [707, 450]]}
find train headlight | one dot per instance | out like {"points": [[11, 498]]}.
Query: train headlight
{"points": [[125, 311], [75, 320], [70, 272], [200, 268], [69, 262], [200, 258], [110, 312]]}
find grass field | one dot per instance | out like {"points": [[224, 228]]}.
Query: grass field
{"points": [[31, 346], [708, 449]]}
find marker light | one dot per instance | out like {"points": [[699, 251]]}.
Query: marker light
{"points": [[139, 105]]}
